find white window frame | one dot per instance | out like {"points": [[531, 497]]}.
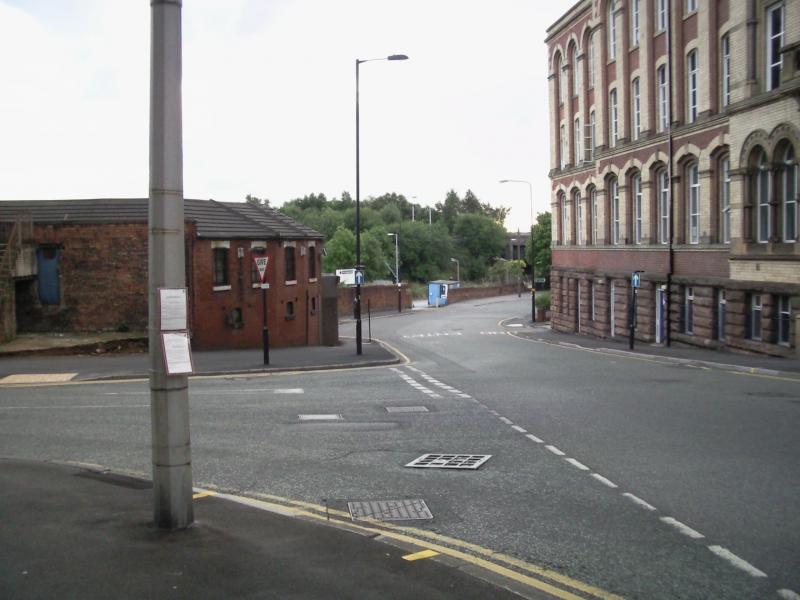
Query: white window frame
{"points": [[725, 200], [774, 63], [756, 309], [789, 203], [692, 70], [579, 233], [613, 189], [634, 22], [636, 109], [693, 202], [663, 98], [592, 132], [562, 81], [564, 146], [612, 31], [636, 185], [725, 46], [564, 221], [613, 115], [661, 15], [576, 73], [578, 145], [688, 311], [784, 320], [690, 6], [663, 206], [593, 200], [590, 58], [763, 212]]}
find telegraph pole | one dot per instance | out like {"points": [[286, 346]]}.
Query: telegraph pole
{"points": [[169, 394]]}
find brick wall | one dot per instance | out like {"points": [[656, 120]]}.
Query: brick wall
{"points": [[380, 298], [471, 293]]}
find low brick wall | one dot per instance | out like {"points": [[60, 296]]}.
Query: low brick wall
{"points": [[470, 293], [380, 298]]}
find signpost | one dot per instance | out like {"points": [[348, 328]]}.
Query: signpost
{"points": [[636, 281], [261, 265]]}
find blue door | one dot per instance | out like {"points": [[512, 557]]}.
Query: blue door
{"points": [[47, 265]]}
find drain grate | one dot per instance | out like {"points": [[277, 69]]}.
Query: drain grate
{"points": [[406, 409], [390, 510], [449, 461]]}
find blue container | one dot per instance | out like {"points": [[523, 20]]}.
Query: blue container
{"points": [[437, 291]]}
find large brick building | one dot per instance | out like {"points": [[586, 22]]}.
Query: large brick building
{"points": [[674, 139], [89, 271]]}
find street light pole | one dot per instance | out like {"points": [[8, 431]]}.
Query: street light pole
{"points": [[397, 270], [533, 247], [359, 266], [458, 274]]}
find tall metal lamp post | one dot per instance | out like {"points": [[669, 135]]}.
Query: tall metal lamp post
{"points": [[397, 270], [359, 266], [533, 248], [458, 274]]}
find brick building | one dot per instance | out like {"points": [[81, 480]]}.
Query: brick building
{"points": [[674, 137], [90, 271]]}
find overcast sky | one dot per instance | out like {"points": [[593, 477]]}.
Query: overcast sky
{"points": [[269, 99]]}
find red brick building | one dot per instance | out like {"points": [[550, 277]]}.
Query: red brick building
{"points": [[674, 137], [90, 271]]}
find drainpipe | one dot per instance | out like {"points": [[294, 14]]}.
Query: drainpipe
{"points": [[671, 253]]}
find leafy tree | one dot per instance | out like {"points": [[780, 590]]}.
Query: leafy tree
{"points": [[507, 271], [341, 253], [425, 251], [479, 239], [255, 201], [539, 245]]}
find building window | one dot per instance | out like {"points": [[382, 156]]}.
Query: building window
{"points": [[564, 149], [663, 206], [755, 317], [774, 43], [789, 212], [612, 31], [688, 311], [691, 86], [576, 73], [592, 136], [612, 118], [663, 98], [722, 305], [593, 197], [634, 22], [564, 221], [220, 276], [661, 15], [562, 80], [636, 109], [613, 190], [579, 219], [636, 184], [784, 320], [693, 193], [289, 311], [590, 58], [288, 256], [691, 6], [725, 201], [763, 221], [725, 46], [578, 133], [312, 262]]}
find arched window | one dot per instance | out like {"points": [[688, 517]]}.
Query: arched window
{"points": [[590, 60], [593, 208], [789, 193], [760, 190], [636, 196], [579, 225], [564, 220], [662, 192], [592, 136], [725, 200], [616, 219], [576, 72], [693, 203], [560, 95]]}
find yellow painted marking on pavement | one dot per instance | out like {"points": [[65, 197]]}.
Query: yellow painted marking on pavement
{"points": [[775, 377], [205, 494], [420, 555], [38, 378]]}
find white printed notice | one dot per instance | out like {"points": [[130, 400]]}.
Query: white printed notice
{"points": [[177, 354], [172, 308]]}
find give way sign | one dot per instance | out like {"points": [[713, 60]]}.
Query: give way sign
{"points": [[261, 265]]}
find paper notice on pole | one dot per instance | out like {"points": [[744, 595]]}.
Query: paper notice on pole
{"points": [[172, 308], [177, 353]]}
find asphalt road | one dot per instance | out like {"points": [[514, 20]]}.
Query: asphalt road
{"points": [[644, 479]]}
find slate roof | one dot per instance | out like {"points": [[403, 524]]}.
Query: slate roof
{"points": [[213, 219]]}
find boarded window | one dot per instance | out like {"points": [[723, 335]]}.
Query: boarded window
{"points": [[221, 266]]}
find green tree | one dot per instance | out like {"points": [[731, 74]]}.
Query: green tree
{"points": [[478, 240], [255, 201], [538, 250], [341, 253]]}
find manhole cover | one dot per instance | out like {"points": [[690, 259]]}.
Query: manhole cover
{"points": [[320, 417], [449, 461], [406, 409], [390, 510]]}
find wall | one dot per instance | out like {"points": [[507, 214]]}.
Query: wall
{"points": [[380, 297], [471, 293]]}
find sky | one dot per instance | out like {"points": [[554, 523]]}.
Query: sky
{"points": [[269, 99]]}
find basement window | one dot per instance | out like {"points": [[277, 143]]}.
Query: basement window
{"points": [[289, 311]]}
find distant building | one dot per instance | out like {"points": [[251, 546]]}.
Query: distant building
{"points": [[81, 265], [674, 136]]}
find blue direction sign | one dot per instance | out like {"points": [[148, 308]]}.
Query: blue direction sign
{"points": [[359, 277], [635, 279]]}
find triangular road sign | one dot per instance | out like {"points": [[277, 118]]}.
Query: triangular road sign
{"points": [[261, 265]]}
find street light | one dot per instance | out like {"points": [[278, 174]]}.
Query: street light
{"points": [[359, 266], [458, 274], [533, 248], [397, 271]]}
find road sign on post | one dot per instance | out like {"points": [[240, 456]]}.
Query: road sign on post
{"points": [[359, 277], [261, 264], [636, 281]]}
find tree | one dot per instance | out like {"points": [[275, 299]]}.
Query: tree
{"points": [[256, 201], [479, 239], [539, 245], [341, 253]]}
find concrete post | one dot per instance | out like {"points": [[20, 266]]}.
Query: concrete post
{"points": [[329, 323], [169, 394]]}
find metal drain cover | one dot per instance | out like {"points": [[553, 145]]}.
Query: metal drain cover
{"points": [[390, 510], [406, 409], [449, 461]]}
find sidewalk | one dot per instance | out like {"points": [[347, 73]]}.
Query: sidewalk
{"points": [[701, 357], [94, 366], [71, 532]]}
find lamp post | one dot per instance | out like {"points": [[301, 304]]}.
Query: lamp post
{"points": [[359, 266], [533, 247], [397, 270], [458, 274]]}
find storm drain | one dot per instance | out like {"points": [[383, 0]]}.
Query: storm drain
{"points": [[406, 409], [390, 510], [449, 461]]}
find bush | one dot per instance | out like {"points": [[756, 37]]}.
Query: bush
{"points": [[543, 300]]}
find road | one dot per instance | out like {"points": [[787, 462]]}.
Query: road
{"points": [[644, 479]]}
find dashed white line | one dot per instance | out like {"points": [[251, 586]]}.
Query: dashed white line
{"points": [[639, 501], [788, 594], [289, 391], [737, 562], [533, 438], [463, 395], [577, 464], [495, 413], [518, 428], [604, 481], [684, 529], [555, 450], [506, 421]]}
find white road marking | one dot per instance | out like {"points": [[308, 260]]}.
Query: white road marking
{"points": [[788, 594], [289, 391], [737, 562], [506, 421], [575, 463], [533, 438], [57, 407], [555, 450], [639, 501], [684, 529], [604, 481], [514, 325], [38, 378], [464, 396], [495, 413], [328, 417], [518, 428]]}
